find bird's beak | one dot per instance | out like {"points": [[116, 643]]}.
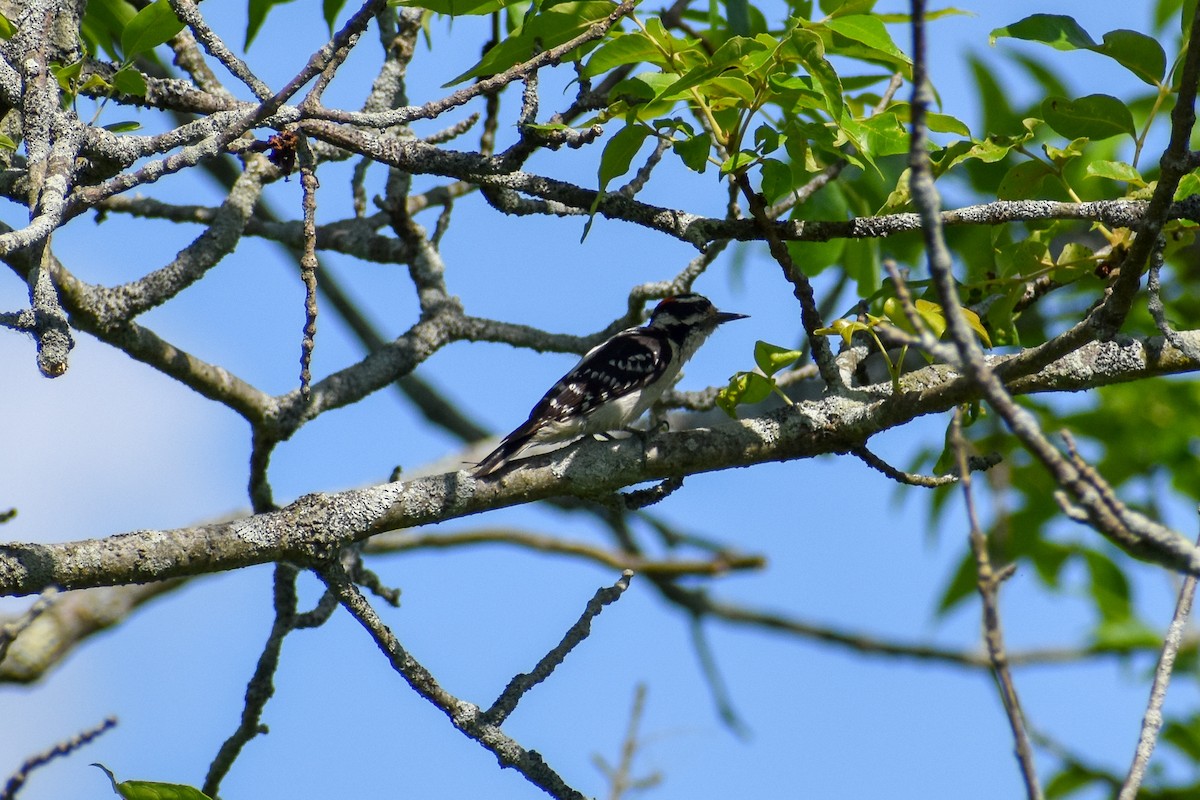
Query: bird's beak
{"points": [[722, 317]]}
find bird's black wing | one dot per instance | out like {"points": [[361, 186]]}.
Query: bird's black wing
{"points": [[626, 363]]}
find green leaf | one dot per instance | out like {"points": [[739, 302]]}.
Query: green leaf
{"points": [[1095, 117], [129, 81], [1049, 558], [862, 262], [745, 388], [845, 328], [123, 127], [619, 152], [1061, 156], [810, 51], [771, 358], [884, 136], [94, 83], [1126, 634], [1058, 31], [777, 179], [739, 161], [66, 75], [670, 125], [7, 29], [942, 123], [737, 12], [991, 149], [1188, 185], [330, 9], [7, 143], [961, 586], [628, 48], [643, 87], [672, 45], [868, 30], [767, 139], [614, 162], [541, 31], [1071, 779], [103, 23], [694, 151], [735, 49], [152, 790], [1115, 171], [934, 317], [150, 27], [929, 312], [854, 132], [1184, 736], [1023, 180], [835, 8], [737, 91], [1109, 587], [691, 79], [1137, 52], [258, 10], [1074, 259]]}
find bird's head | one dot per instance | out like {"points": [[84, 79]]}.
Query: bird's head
{"points": [[690, 311]]}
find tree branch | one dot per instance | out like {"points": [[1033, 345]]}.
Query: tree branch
{"points": [[1153, 719], [465, 716], [987, 581], [406, 541], [323, 523], [506, 703], [77, 741]]}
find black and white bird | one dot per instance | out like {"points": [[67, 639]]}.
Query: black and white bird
{"points": [[617, 380]]}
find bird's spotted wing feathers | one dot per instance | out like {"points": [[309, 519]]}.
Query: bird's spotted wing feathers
{"points": [[629, 361], [618, 368]]}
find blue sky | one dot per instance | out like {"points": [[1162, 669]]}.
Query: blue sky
{"points": [[113, 446]]}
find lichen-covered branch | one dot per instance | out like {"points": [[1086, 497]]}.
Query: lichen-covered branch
{"points": [[321, 523]]}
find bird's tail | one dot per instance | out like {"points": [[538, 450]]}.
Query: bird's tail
{"points": [[509, 447]]}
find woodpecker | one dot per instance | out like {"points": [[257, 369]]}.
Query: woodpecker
{"points": [[617, 380]]}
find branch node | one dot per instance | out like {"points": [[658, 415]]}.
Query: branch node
{"points": [[641, 498]]}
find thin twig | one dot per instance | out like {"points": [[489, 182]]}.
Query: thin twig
{"points": [[506, 703], [190, 15], [988, 582], [926, 339], [722, 563], [467, 717], [641, 498], [810, 314], [620, 778], [486, 86], [801, 195], [18, 778], [1153, 719], [716, 682], [975, 464], [1154, 304], [1176, 161], [308, 268], [262, 685], [1134, 531]]}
